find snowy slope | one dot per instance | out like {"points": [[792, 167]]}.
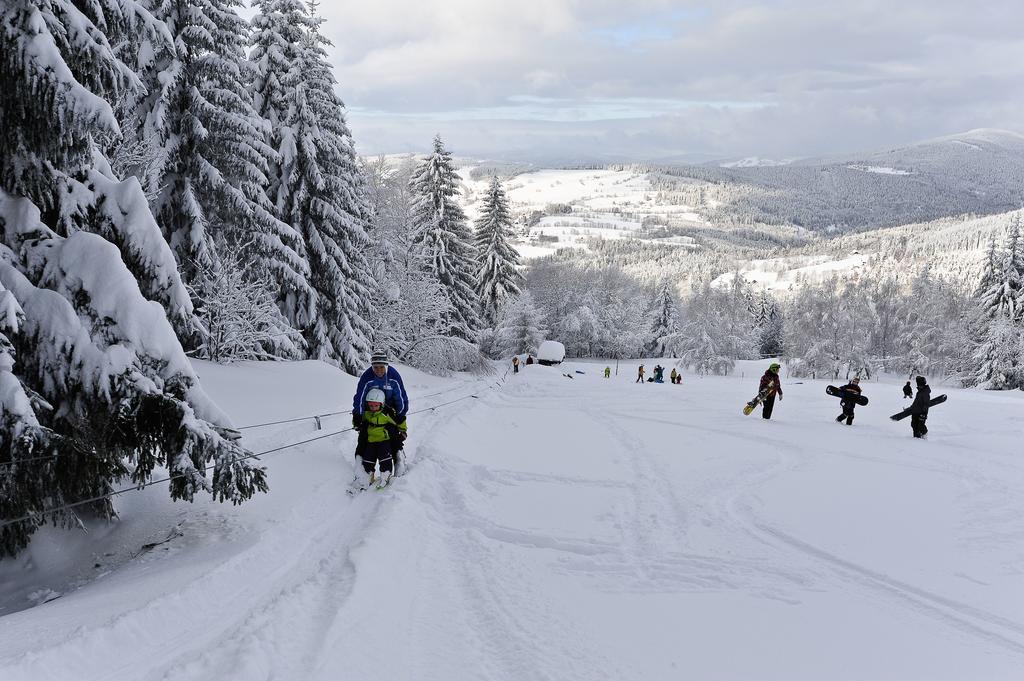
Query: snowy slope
{"points": [[610, 204], [577, 529]]}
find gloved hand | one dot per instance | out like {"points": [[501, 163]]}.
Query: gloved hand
{"points": [[357, 421], [402, 435], [780, 397]]}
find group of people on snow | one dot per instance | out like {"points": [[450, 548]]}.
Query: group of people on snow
{"points": [[771, 386], [379, 409], [380, 406]]}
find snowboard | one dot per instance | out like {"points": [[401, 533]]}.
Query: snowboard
{"points": [[842, 394], [906, 412], [752, 404]]}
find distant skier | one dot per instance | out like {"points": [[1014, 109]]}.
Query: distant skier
{"points": [[852, 388], [607, 372], [515, 364], [640, 374], [919, 408], [529, 360], [378, 423], [770, 382], [674, 376], [386, 378], [907, 390]]}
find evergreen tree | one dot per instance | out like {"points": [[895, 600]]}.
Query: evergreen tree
{"points": [[664, 322], [998, 358], [320, 190], [498, 276], [1003, 280], [444, 241], [94, 385], [210, 185], [768, 325]]}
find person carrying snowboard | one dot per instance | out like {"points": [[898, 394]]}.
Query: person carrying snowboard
{"points": [[386, 378], [908, 392], [377, 424], [607, 372], [919, 408], [852, 389], [515, 364], [770, 382], [640, 374]]}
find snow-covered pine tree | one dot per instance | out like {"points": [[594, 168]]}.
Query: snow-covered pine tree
{"points": [[444, 241], [771, 327], [322, 196], [520, 327], [1003, 279], [498, 276], [664, 321], [211, 184], [998, 358], [94, 385]]}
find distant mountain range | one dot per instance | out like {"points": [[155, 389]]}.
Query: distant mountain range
{"points": [[978, 172]]}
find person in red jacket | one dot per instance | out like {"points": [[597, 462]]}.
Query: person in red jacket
{"points": [[770, 382]]}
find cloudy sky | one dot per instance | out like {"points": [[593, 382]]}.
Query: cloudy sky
{"points": [[563, 80]]}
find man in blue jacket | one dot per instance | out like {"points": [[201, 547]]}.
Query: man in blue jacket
{"points": [[384, 377]]}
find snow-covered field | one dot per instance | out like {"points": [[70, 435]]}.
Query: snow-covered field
{"points": [[786, 274], [559, 529], [610, 204]]}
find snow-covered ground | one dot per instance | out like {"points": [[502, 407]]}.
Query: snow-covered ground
{"points": [[560, 529], [787, 274], [610, 204]]}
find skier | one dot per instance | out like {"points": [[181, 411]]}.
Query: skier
{"points": [[515, 364], [659, 374], [853, 388], [770, 381], [907, 390], [377, 425], [675, 377], [607, 372], [919, 408], [529, 360], [640, 374], [387, 379]]}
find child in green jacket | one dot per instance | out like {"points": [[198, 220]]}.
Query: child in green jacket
{"points": [[377, 424]]}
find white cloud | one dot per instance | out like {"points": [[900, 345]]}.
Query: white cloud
{"points": [[594, 79]]}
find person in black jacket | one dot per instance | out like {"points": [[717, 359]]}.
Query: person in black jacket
{"points": [[919, 409], [852, 389]]}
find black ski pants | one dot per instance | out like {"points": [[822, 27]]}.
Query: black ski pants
{"points": [[769, 404], [374, 453], [847, 414], [917, 424]]}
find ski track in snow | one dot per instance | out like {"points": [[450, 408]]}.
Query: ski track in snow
{"points": [[555, 529]]}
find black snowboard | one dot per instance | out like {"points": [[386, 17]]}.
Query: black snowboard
{"points": [[906, 412], [862, 400]]}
